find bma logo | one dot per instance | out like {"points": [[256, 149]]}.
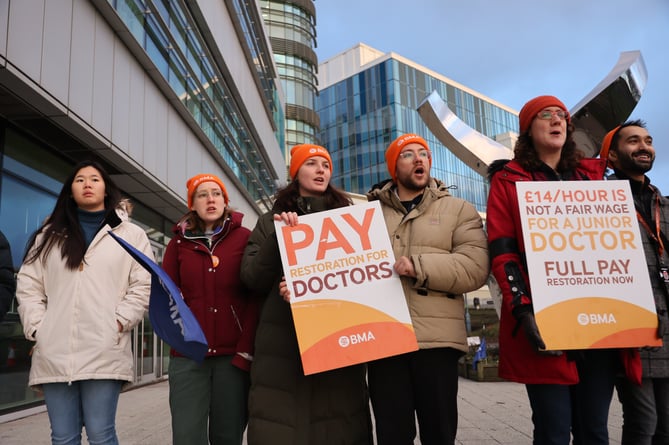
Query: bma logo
{"points": [[347, 340], [586, 319], [406, 138]]}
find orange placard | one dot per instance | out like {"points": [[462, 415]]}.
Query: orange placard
{"points": [[588, 275], [347, 302]]}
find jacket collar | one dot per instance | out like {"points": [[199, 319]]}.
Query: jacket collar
{"points": [[385, 192], [591, 167], [234, 220]]}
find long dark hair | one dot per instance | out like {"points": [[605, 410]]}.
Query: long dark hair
{"points": [[526, 155], [62, 226], [286, 198]]}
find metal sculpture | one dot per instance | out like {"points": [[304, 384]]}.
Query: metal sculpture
{"points": [[607, 105]]}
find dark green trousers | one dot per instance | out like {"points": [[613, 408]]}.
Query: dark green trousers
{"points": [[208, 402]]}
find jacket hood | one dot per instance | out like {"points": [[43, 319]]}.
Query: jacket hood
{"points": [[496, 166], [590, 167], [379, 185]]}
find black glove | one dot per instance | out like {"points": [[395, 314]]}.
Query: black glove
{"points": [[529, 325]]}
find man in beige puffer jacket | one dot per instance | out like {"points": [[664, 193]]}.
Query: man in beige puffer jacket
{"points": [[441, 252]]}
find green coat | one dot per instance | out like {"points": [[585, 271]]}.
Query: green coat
{"points": [[443, 235], [285, 406]]}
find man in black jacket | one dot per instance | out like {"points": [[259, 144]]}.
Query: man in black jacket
{"points": [[645, 408]]}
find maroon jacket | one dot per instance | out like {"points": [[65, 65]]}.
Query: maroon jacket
{"points": [[518, 360], [222, 305]]}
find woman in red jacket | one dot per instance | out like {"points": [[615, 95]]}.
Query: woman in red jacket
{"points": [[569, 392], [208, 401]]}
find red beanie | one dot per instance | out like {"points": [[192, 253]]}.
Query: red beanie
{"points": [[300, 153], [395, 147], [531, 108], [196, 180], [606, 143]]}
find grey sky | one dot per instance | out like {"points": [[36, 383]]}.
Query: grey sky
{"points": [[514, 50]]}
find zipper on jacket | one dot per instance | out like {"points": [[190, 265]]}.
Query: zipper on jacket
{"points": [[211, 244]]}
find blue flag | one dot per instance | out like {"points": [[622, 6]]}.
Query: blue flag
{"points": [[481, 353], [170, 316]]}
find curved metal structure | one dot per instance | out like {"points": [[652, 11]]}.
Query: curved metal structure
{"points": [[607, 105], [471, 147], [610, 103]]}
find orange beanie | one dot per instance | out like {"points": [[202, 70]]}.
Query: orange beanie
{"points": [[606, 143], [196, 180], [300, 153], [395, 147], [532, 107]]}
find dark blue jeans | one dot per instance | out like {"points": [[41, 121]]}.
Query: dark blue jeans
{"points": [[86, 402], [591, 397], [558, 411], [551, 413], [645, 411]]}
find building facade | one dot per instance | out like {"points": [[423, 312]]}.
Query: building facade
{"points": [[368, 98], [291, 25], [157, 92]]}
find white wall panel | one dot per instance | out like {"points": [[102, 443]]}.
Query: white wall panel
{"points": [[151, 124], [81, 61], [155, 130], [103, 62], [168, 118], [120, 116], [136, 114], [195, 160], [55, 72], [4, 24], [25, 36], [176, 153]]}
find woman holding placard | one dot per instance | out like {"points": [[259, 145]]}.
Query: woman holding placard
{"points": [[570, 392], [285, 406]]}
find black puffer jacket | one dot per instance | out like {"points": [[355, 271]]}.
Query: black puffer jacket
{"points": [[285, 406]]}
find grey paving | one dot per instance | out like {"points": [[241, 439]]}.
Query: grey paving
{"points": [[490, 413]]}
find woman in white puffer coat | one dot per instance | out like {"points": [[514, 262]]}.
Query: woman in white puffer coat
{"points": [[80, 295]]}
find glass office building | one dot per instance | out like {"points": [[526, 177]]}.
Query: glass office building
{"points": [[157, 91], [291, 26], [368, 98]]}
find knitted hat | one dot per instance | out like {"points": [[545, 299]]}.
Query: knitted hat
{"points": [[606, 143], [196, 180], [300, 153], [531, 108], [395, 147]]}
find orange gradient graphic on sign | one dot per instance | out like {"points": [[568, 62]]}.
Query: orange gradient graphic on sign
{"points": [[360, 333], [597, 322]]}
